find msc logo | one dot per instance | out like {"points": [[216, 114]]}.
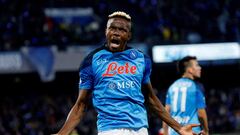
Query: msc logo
{"points": [[113, 69], [125, 84], [121, 85]]}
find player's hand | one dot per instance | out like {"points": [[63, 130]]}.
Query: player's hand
{"points": [[203, 133], [187, 130]]}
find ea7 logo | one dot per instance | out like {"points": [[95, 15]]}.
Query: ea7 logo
{"points": [[101, 61]]}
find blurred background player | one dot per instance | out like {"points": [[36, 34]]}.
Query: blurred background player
{"points": [[185, 99]]}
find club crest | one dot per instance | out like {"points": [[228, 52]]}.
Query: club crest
{"points": [[133, 55]]}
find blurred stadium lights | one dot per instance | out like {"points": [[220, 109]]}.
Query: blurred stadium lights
{"points": [[204, 52], [82, 16], [68, 60]]}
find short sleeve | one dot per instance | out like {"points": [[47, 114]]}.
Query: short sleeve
{"points": [[86, 74], [148, 69], [201, 103]]}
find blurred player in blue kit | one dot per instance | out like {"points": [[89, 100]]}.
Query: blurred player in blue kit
{"points": [[185, 100], [118, 77]]}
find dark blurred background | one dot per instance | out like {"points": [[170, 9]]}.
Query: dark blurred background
{"points": [[43, 42]]}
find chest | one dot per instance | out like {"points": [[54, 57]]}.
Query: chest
{"points": [[108, 65]]}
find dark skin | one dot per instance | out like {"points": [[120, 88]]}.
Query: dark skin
{"points": [[118, 33]]}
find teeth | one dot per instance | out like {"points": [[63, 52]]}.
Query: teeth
{"points": [[114, 45]]}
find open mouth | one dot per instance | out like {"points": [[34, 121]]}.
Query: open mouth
{"points": [[115, 43]]}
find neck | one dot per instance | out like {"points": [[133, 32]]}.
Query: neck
{"points": [[187, 75]]}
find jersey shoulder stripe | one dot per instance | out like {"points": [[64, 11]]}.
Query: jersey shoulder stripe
{"points": [[88, 59]]}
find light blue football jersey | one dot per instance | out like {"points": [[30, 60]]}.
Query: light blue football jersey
{"points": [[115, 80], [185, 97]]}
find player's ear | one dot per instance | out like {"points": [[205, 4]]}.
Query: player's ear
{"points": [[187, 70], [190, 70]]}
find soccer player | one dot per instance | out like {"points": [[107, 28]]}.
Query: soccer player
{"points": [[185, 100], [118, 77]]}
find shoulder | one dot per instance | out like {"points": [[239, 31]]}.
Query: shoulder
{"points": [[90, 55], [183, 82], [176, 82], [145, 56], [199, 86], [88, 59], [136, 53], [132, 49]]}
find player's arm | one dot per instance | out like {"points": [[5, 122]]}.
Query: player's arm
{"points": [[164, 125], [75, 113], [202, 115], [201, 105], [157, 107]]}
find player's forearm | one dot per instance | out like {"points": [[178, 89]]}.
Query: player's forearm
{"points": [[203, 120], [170, 121], [158, 108], [164, 125], [204, 124], [163, 114], [165, 128], [73, 119]]}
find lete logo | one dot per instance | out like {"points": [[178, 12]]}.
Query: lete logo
{"points": [[114, 69]]}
